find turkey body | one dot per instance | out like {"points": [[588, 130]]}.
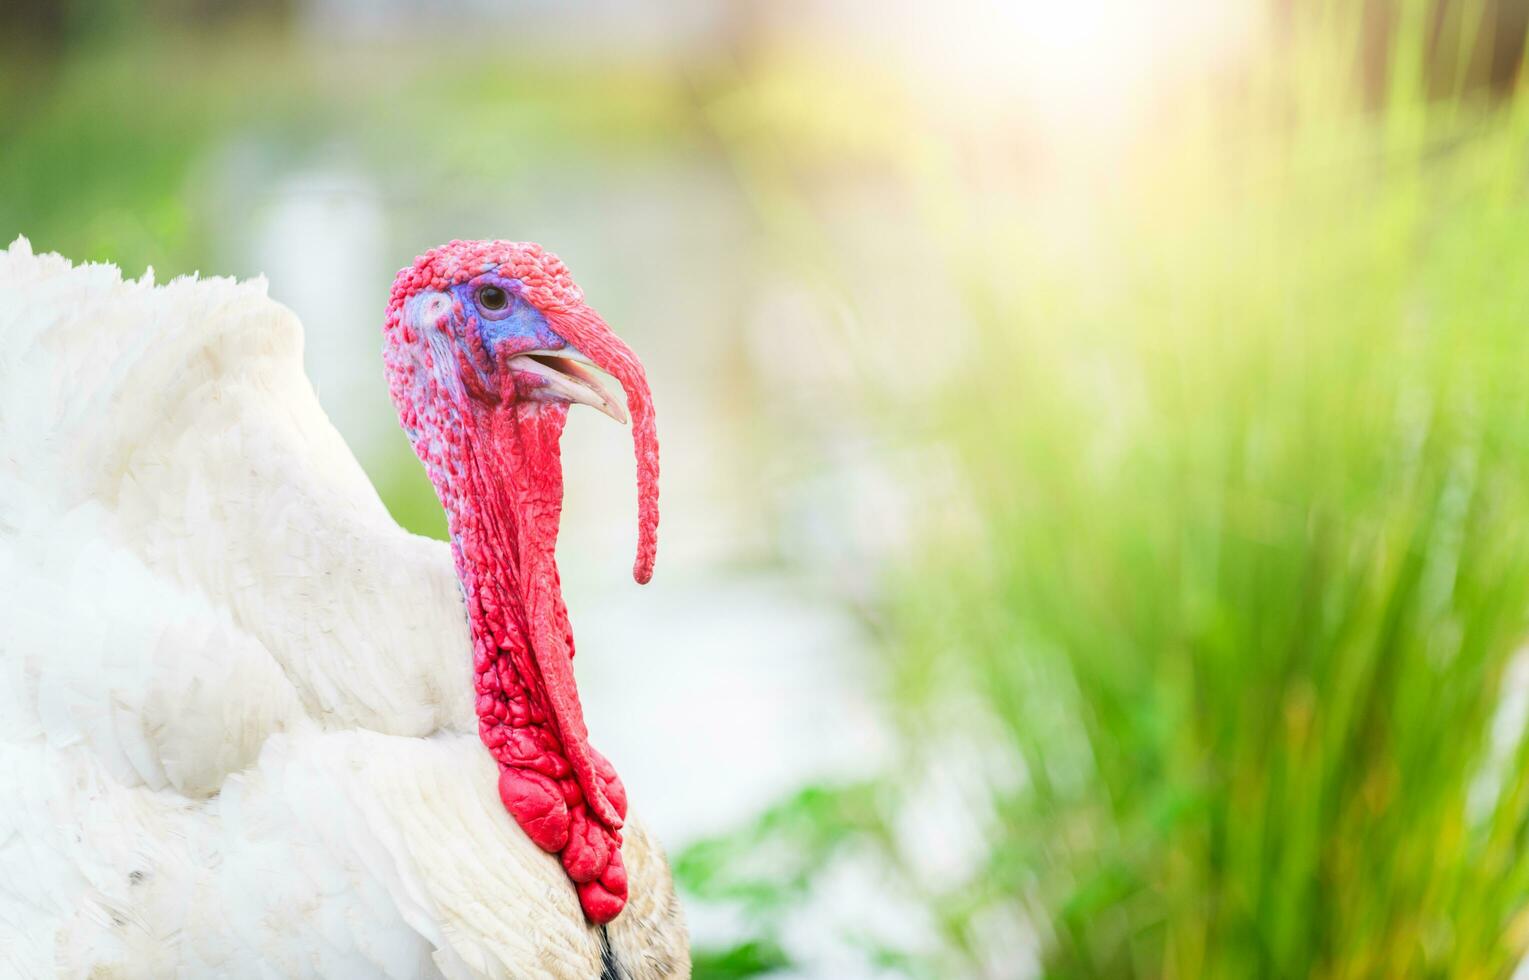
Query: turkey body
{"points": [[236, 729]]}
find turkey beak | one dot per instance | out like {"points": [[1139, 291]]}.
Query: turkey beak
{"points": [[564, 374]]}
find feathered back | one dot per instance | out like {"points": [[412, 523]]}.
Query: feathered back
{"points": [[235, 727]]}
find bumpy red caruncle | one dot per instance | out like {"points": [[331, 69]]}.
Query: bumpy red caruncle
{"points": [[495, 462]]}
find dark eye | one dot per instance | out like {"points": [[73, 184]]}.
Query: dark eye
{"points": [[493, 298]]}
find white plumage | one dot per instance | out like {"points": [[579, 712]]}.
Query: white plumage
{"points": [[235, 729]]}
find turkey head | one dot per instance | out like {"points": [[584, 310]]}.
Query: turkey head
{"points": [[486, 345]]}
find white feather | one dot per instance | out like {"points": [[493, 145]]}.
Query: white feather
{"points": [[236, 735]]}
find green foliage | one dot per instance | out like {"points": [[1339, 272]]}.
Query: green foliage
{"points": [[773, 861], [92, 171], [767, 870], [748, 959], [1242, 567]]}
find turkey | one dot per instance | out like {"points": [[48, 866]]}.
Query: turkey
{"points": [[246, 729]]}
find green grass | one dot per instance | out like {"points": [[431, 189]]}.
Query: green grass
{"points": [[1253, 558], [1241, 559]]}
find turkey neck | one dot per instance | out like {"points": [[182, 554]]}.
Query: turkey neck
{"points": [[504, 523]]}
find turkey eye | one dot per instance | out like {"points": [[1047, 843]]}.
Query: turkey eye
{"points": [[493, 298]]}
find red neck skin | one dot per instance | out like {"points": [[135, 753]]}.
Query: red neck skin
{"points": [[503, 501]]}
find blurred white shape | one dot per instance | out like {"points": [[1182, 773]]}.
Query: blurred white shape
{"points": [[1007, 942], [754, 688], [319, 240], [857, 905], [1509, 725]]}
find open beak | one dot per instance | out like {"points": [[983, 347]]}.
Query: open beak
{"points": [[565, 376]]}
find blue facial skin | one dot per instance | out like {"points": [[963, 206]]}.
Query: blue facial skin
{"points": [[517, 328]]}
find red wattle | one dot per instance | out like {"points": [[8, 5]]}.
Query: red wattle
{"points": [[604, 898], [537, 804], [565, 796], [589, 847]]}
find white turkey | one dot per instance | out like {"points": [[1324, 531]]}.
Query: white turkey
{"points": [[246, 729]]}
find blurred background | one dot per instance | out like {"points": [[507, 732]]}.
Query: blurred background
{"points": [[1096, 445]]}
